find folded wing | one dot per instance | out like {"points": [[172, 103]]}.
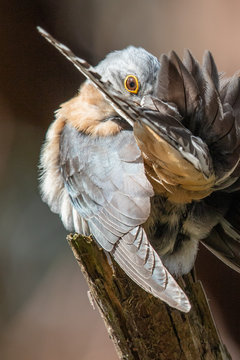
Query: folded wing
{"points": [[106, 181]]}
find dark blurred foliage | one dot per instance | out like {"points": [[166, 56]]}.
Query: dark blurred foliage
{"points": [[44, 309]]}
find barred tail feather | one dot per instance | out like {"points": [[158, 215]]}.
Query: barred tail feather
{"points": [[140, 261]]}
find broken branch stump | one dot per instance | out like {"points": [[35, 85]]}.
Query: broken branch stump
{"points": [[141, 326]]}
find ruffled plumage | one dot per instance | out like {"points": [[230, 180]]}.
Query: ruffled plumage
{"points": [[149, 193]]}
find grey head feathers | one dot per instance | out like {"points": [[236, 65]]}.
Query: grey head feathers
{"points": [[132, 60]]}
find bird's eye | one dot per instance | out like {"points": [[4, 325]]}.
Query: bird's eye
{"points": [[131, 84]]}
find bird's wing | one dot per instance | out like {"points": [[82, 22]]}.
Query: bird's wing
{"points": [[168, 133], [198, 113], [202, 118], [107, 185], [221, 132]]}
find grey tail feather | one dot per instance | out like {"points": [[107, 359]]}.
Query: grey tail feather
{"points": [[140, 261]]}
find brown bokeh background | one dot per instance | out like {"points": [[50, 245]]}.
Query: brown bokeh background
{"points": [[44, 309]]}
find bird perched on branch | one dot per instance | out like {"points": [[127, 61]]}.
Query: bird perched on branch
{"points": [[146, 158]]}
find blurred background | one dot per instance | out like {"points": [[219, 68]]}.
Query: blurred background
{"points": [[44, 309]]}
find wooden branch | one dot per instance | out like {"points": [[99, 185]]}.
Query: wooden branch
{"points": [[141, 326]]}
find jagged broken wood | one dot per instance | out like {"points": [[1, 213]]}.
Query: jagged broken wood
{"points": [[141, 326]]}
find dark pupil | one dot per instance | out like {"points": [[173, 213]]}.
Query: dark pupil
{"points": [[131, 83]]}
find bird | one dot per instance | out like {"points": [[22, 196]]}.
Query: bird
{"points": [[145, 158]]}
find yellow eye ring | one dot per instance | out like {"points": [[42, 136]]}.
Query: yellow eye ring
{"points": [[131, 84]]}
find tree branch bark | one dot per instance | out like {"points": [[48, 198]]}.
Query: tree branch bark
{"points": [[141, 326]]}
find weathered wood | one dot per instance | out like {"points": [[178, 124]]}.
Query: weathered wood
{"points": [[141, 326]]}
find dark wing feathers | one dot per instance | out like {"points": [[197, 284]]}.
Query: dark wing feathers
{"points": [[210, 67], [108, 187], [193, 66], [219, 119], [230, 94], [176, 85], [210, 111]]}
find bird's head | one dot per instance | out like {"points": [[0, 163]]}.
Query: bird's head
{"points": [[121, 80], [124, 75], [132, 72]]}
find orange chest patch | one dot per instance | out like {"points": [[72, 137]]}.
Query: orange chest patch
{"points": [[88, 112]]}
